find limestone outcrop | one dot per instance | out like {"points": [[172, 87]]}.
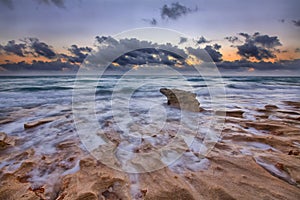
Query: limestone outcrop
{"points": [[181, 99]]}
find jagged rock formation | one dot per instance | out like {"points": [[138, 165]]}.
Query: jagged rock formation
{"points": [[181, 99]]}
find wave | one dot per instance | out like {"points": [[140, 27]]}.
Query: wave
{"points": [[39, 88]]}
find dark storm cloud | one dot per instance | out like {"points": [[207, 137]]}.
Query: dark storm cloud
{"points": [[100, 39], [175, 10], [174, 51], [203, 40], [297, 50], [106, 40], [28, 46], [245, 35], [149, 56], [182, 40], [214, 53], [244, 65], [58, 3], [137, 52], [40, 66], [232, 39], [217, 46], [7, 3], [249, 50], [282, 20], [296, 22], [78, 53], [267, 41], [258, 46], [12, 48], [152, 21], [280, 51], [200, 54], [41, 48], [140, 52]]}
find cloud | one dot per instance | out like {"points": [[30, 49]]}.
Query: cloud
{"points": [[217, 46], [202, 40], [41, 49], [137, 53], [182, 40], [232, 39], [12, 48], [154, 55], [280, 51], [141, 53], [7, 3], [267, 41], [296, 22], [58, 3], [78, 53], [105, 40], [258, 46], [152, 21], [27, 47], [100, 39], [214, 53], [175, 10], [56, 65], [245, 35], [249, 50], [282, 20], [297, 50], [262, 66]]}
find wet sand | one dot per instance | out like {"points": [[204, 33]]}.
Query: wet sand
{"points": [[256, 158]]}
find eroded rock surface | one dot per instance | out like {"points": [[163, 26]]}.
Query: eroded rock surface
{"points": [[255, 159], [181, 99], [6, 141], [39, 122]]}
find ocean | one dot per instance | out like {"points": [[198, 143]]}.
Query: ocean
{"points": [[33, 91]]}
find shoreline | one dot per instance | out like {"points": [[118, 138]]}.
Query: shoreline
{"points": [[255, 159]]}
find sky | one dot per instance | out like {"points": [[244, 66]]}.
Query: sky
{"points": [[258, 36]]}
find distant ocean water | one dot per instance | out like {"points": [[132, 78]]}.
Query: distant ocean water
{"points": [[31, 91]]}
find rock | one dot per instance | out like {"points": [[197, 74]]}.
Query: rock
{"points": [[144, 191], [6, 121], [65, 145], [293, 152], [274, 128], [292, 103], [181, 99], [39, 122], [6, 141], [87, 196], [39, 192], [279, 166], [11, 188], [2, 136], [232, 113], [270, 107], [235, 113]]}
